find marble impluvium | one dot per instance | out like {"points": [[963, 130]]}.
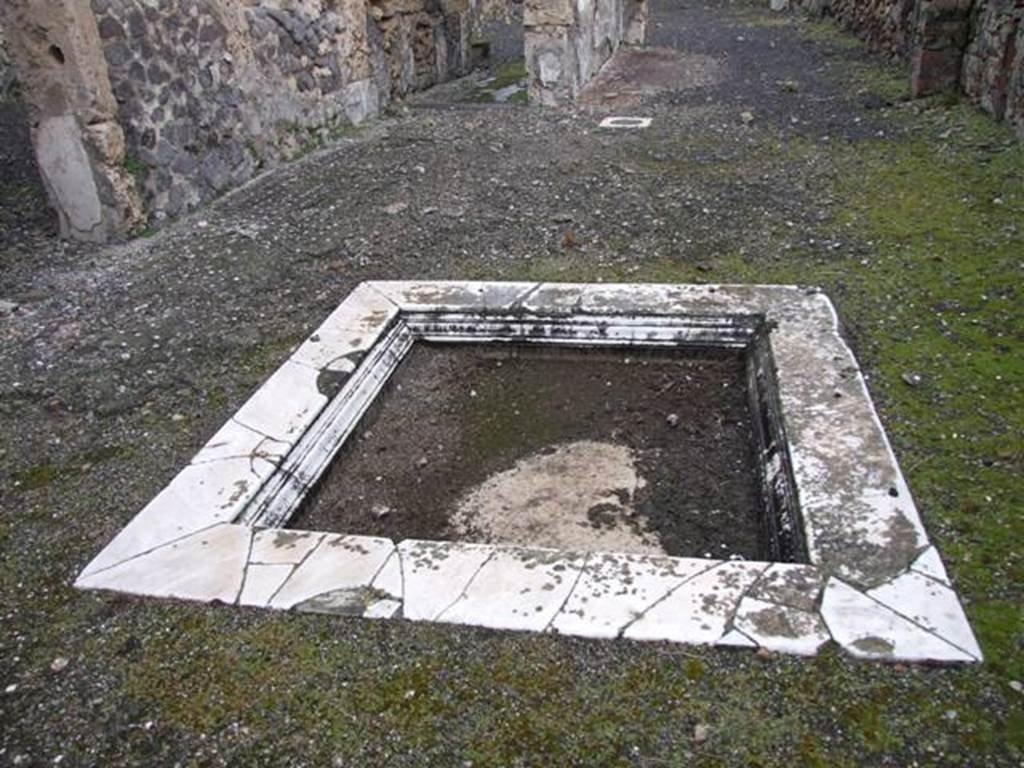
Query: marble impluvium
{"points": [[855, 565]]}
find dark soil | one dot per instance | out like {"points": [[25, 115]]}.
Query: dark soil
{"points": [[455, 415]]}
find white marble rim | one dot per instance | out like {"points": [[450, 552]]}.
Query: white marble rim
{"points": [[874, 584]]}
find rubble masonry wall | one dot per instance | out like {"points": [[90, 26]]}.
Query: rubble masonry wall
{"points": [[568, 41], [974, 45]]}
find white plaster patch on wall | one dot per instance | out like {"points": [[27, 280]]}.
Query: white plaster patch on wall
{"points": [[873, 583]]}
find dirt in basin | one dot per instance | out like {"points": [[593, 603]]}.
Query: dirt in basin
{"points": [[609, 450]]}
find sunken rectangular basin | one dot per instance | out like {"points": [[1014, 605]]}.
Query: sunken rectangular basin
{"points": [[697, 464], [624, 449]]}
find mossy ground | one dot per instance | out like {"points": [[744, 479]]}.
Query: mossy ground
{"points": [[918, 237], [510, 73]]}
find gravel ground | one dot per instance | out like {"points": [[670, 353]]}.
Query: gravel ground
{"points": [[802, 162]]}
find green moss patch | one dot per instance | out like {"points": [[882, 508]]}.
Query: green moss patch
{"points": [[511, 73]]}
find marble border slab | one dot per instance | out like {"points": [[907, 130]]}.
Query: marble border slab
{"points": [[873, 582]]}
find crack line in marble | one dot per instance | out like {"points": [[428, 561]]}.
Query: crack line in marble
{"points": [[465, 589], [295, 569], [152, 549], [569, 594], [667, 595], [245, 568], [916, 623], [731, 617]]}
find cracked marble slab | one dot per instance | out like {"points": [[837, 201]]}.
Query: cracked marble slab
{"points": [[235, 441], [700, 608], [207, 565], [868, 629], [791, 584], [200, 496], [337, 563], [930, 604], [930, 564], [294, 384], [390, 580], [426, 296], [261, 581], [336, 351], [280, 546], [385, 608], [516, 589], [615, 590], [434, 574], [780, 628], [365, 311]]}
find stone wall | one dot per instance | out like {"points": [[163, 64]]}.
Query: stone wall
{"points": [[974, 45], [568, 41], [157, 106], [211, 92], [887, 25], [7, 76], [940, 34], [993, 65], [497, 25], [78, 140]]}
